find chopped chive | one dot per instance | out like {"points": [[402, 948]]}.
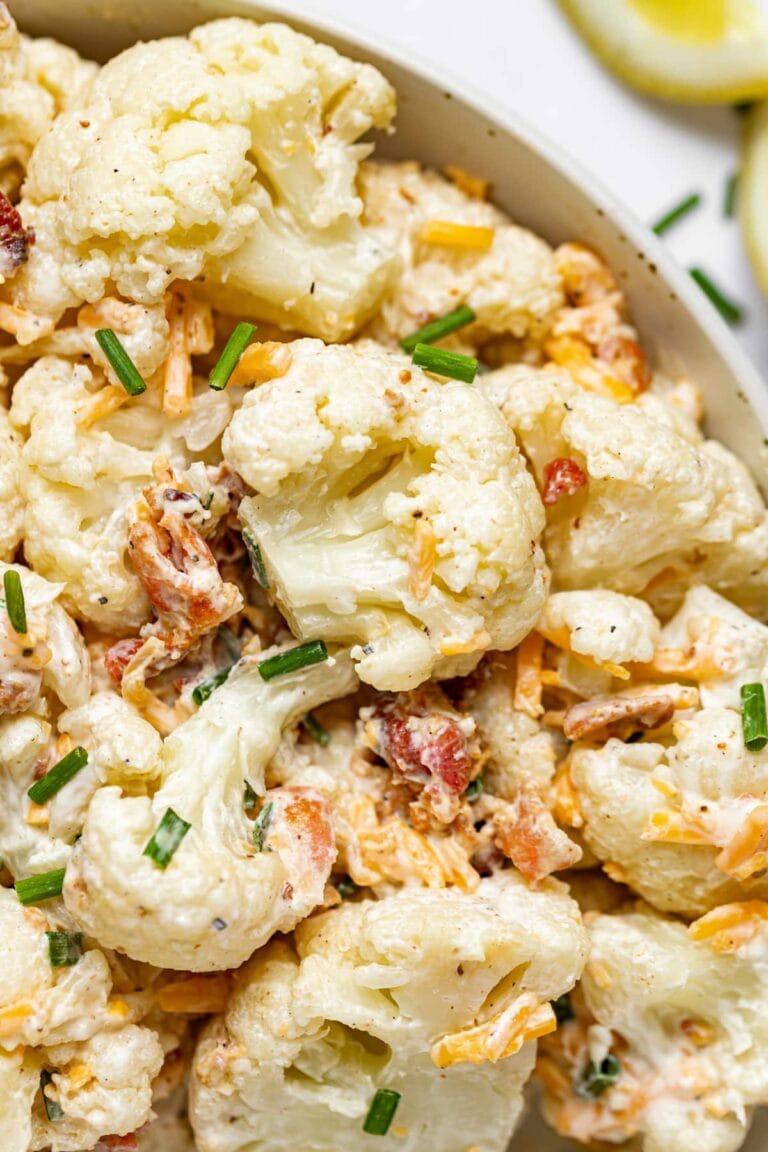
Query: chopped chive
{"points": [[169, 834], [474, 789], [53, 1109], [728, 309], [64, 948], [256, 558], [260, 826], [61, 774], [381, 1112], [249, 796], [14, 601], [124, 368], [44, 886], [677, 213], [753, 717], [437, 329], [233, 350], [598, 1078], [230, 642], [346, 888], [313, 652], [316, 730], [563, 1009], [444, 363], [201, 693], [729, 196]]}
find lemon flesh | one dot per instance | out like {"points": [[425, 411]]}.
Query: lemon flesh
{"points": [[752, 196], [698, 51]]}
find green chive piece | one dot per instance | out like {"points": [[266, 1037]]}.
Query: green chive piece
{"points": [[346, 888], [563, 1009], [256, 558], [261, 825], [64, 948], [201, 693], [753, 717], [230, 642], [444, 363], [61, 774], [14, 601], [475, 788], [437, 329], [728, 309], [677, 213], [124, 368], [53, 1109], [313, 652], [729, 196], [381, 1112], [249, 796], [233, 350], [44, 886], [598, 1078], [169, 834], [316, 730]]}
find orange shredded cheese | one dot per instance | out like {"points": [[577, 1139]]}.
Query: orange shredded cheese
{"points": [[478, 642], [501, 1036], [730, 926], [747, 851], [198, 995], [101, 404], [474, 186], [421, 559], [450, 235], [177, 374], [528, 684], [261, 362], [573, 354], [674, 828]]}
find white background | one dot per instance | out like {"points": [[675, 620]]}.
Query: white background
{"points": [[651, 155]]}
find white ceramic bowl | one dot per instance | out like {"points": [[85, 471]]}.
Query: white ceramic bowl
{"points": [[442, 120]]}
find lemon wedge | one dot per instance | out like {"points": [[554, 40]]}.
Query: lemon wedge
{"points": [[700, 51], [752, 193]]}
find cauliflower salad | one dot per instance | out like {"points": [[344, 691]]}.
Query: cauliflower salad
{"points": [[383, 737]]}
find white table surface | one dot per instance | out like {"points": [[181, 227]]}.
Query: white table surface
{"points": [[650, 154]]}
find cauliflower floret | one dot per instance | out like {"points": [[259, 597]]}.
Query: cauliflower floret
{"points": [[25, 848], [513, 287], [11, 490], [393, 512], [686, 826], [604, 626], [39, 78], [699, 512], [223, 894], [231, 156], [683, 1013], [430, 994]]}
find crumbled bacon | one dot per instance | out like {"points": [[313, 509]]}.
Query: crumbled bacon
{"points": [[15, 239], [118, 657], [626, 360], [562, 477], [526, 833], [127, 1143]]}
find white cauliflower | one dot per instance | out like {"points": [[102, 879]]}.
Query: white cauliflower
{"points": [[221, 896], [230, 155], [26, 848], [513, 286], [38, 78], [392, 512], [605, 627], [11, 491], [646, 503], [683, 1014], [433, 994]]}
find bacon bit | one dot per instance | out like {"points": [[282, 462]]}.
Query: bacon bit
{"points": [[452, 235], [496, 1039], [151, 657], [260, 363], [527, 834], [747, 851], [197, 995], [127, 1143], [647, 707], [730, 926], [699, 1032], [627, 361], [119, 656], [474, 186], [528, 684], [15, 239], [562, 477], [421, 559], [573, 354], [586, 278]]}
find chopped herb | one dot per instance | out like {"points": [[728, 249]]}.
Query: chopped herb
{"points": [[346, 888], [475, 788], [256, 558], [14, 601], [249, 796], [728, 309], [677, 213], [445, 363], [53, 1109], [598, 1078], [201, 693], [261, 825], [230, 642], [61, 773], [563, 1009], [233, 350], [124, 368], [316, 730], [729, 196], [381, 1112], [169, 834], [207, 502], [753, 717], [44, 886], [313, 652], [64, 948], [437, 329]]}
